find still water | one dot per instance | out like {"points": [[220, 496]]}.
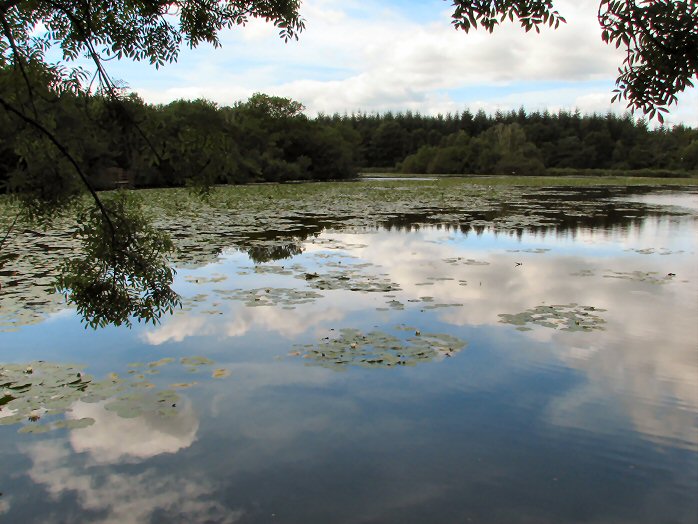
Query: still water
{"points": [[532, 364]]}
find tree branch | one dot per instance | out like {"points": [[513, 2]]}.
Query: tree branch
{"points": [[7, 30], [6, 5], [52, 138], [9, 230]]}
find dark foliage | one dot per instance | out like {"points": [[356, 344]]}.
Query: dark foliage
{"points": [[269, 139], [515, 142]]}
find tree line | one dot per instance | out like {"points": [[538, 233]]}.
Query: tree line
{"points": [[517, 142], [270, 139], [265, 139]]}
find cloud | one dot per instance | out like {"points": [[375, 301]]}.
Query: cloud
{"points": [[375, 56], [643, 375], [237, 320], [636, 377]]}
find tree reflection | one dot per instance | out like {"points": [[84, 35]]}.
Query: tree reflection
{"points": [[269, 253]]}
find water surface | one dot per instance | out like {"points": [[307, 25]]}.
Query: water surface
{"points": [[410, 354]]}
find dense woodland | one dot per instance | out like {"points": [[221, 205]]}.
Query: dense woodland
{"points": [[270, 139], [519, 143]]}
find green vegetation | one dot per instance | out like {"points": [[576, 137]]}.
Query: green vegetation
{"points": [[266, 139], [547, 180], [520, 143], [123, 270], [377, 349], [269, 139], [567, 317], [50, 116], [42, 391]]}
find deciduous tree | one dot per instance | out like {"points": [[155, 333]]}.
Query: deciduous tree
{"points": [[125, 271]]}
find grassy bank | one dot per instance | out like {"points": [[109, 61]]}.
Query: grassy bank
{"points": [[643, 173], [549, 180]]}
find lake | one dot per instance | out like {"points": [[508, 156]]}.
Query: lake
{"points": [[376, 351]]}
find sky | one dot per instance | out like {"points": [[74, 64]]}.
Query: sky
{"points": [[402, 55]]}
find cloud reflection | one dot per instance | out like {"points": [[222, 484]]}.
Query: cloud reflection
{"points": [[236, 320], [113, 439], [644, 359], [108, 495]]}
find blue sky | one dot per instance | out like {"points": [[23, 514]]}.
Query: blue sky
{"points": [[401, 55]]}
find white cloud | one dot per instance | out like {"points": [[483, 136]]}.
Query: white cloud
{"points": [[370, 57], [501, 287], [176, 329]]}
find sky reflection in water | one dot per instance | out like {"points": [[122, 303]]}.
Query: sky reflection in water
{"points": [[541, 425]]}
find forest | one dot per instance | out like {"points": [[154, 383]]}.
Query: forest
{"points": [[270, 139]]}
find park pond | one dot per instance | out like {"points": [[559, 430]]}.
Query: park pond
{"points": [[373, 351]]}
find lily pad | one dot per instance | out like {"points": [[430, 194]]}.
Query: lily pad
{"points": [[649, 277], [457, 261], [270, 296], [39, 391], [567, 317], [377, 349]]}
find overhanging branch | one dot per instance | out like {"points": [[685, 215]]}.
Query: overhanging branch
{"points": [[62, 149]]}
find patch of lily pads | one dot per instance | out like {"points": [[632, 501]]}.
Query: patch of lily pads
{"points": [[279, 221], [37, 393], [439, 305], [458, 261], [657, 251], [333, 243], [563, 317], [287, 298], [536, 250], [215, 278], [583, 273], [428, 302], [378, 349], [649, 277], [351, 278], [271, 269]]}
